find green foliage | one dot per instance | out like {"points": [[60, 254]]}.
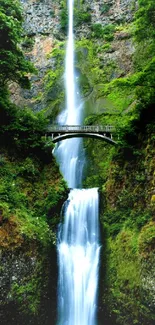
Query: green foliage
{"points": [[26, 178], [64, 19], [106, 32], [98, 166], [31, 188], [25, 130], [54, 196], [127, 196], [35, 228], [133, 96], [27, 291], [145, 21], [13, 65], [97, 30], [124, 291], [31, 192], [87, 64], [27, 294], [123, 174], [28, 42], [81, 15], [4, 210], [146, 244], [29, 169], [88, 69], [106, 47], [105, 7], [54, 83]]}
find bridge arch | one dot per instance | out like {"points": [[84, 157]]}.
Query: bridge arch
{"points": [[84, 135]]}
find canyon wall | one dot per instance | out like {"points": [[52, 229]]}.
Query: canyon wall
{"points": [[43, 30]]}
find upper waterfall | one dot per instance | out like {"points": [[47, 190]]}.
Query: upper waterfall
{"points": [[69, 72], [69, 152]]}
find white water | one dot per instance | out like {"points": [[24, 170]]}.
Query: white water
{"points": [[78, 259], [78, 238], [68, 152]]}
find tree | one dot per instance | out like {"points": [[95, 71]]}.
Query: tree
{"points": [[145, 20], [13, 65]]}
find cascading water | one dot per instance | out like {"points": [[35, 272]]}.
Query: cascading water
{"points": [[78, 259], [68, 152], [78, 239]]}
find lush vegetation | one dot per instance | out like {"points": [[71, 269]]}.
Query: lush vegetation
{"points": [[26, 159], [106, 33], [122, 95], [13, 65], [130, 267], [125, 174], [31, 188], [129, 101]]}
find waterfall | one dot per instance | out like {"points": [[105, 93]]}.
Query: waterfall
{"points": [[78, 259], [78, 238], [69, 152]]}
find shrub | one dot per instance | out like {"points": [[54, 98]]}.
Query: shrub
{"points": [[105, 8], [106, 32]]}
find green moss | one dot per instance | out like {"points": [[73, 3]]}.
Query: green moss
{"points": [[4, 211], [88, 62], [54, 83], [30, 191], [27, 290], [123, 289], [147, 240], [27, 294]]}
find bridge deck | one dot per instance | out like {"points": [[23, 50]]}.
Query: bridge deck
{"points": [[81, 129]]}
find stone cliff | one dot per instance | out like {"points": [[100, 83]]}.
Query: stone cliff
{"points": [[43, 30]]}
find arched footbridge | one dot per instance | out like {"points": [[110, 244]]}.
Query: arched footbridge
{"points": [[61, 132]]}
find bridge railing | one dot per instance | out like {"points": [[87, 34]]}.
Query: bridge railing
{"points": [[81, 128]]}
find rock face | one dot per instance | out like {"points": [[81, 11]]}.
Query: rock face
{"points": [[42, 29], [112, 11], [25, 286], [41, 17]]}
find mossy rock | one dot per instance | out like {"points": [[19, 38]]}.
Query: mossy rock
{"points": [[147, 240]]}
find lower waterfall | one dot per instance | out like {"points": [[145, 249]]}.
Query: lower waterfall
{"points": [[78, 251]]}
